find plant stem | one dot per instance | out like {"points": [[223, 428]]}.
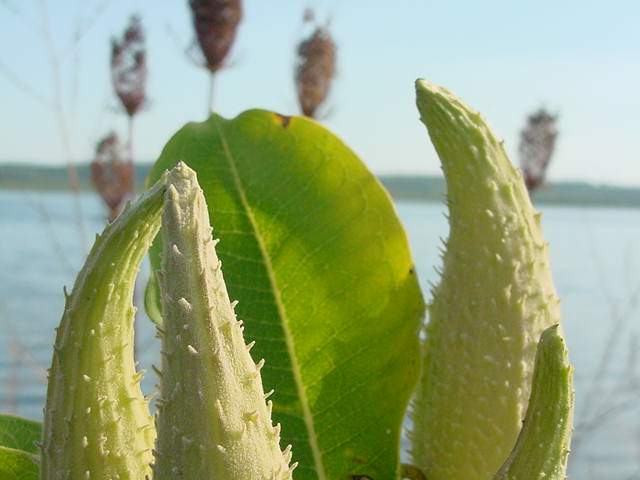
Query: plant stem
{"points": [[131, 195], [63, 125], [210, 101], [130, 138]]}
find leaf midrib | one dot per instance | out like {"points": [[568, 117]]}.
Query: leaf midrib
{"points": [[307, 417]]}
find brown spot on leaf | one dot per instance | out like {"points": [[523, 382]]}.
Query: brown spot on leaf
{"points": [[282, 119]]}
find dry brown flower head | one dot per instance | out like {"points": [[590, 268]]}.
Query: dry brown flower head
{"points": [[111, 176], [129, 67], [315, 70], [537, 143], [215, 23]]}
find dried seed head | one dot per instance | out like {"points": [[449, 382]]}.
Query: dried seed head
{"points": [[111, 176], [315, 69], [537, 142], [215, 23], [129, 67]]}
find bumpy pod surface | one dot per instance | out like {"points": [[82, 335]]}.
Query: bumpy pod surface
{"points": [[495, 298], [96, 420], [213, 423], [542, 448]]}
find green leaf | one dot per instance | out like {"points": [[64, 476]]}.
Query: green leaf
{"points": [[542, 448], [494, 300], [312, 248], [20, 433], [17, 465], [151, 300]]}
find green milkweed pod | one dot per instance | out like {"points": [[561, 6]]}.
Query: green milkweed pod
{"points": [[542, 448], [495, 298], [214, 423], [96, 420]]}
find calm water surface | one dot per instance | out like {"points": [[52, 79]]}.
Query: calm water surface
{"points": [[595, 256]]}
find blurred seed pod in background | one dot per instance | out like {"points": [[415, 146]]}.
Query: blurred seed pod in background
{"points": [[111, 176], [537, 143], [315, 68], [215, 23], [129, 67]]}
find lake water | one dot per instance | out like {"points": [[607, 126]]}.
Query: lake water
{"points": [[595, 256]]}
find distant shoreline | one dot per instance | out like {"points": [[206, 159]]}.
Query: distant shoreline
{"points": [[419, 188]]}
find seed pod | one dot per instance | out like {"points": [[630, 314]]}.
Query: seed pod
{"points": [[129, 67], [315, 70], [537, 142], [215, 23], [111, 176], [542, 448], [495, 298], [213, 423], [96, 420]]}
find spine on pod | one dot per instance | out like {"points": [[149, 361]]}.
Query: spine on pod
{"points": [[542, 448], [96, 420], [494, 299], [213, 422]]}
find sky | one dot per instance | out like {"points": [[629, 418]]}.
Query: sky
{"points": [[578, 59]]}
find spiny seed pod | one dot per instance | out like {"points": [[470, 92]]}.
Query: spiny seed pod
{"points": [[96, 420], [129, 67], [542, 448], [213, 423], [315, 70], [111, 176], [495, 298], [215, 23]]}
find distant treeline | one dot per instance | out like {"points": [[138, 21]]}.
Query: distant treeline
{"points": [[426, 188], [38, 177], [401, 187]]}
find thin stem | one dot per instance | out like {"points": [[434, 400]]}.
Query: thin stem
{"points": [[210, 102], [72, 173], [619, 318], [130, 137], [23, 85], [52, 235], [13, 383], [131, 195]]}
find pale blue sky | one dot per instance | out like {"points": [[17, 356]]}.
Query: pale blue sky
{"points": [[580, 59]]}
